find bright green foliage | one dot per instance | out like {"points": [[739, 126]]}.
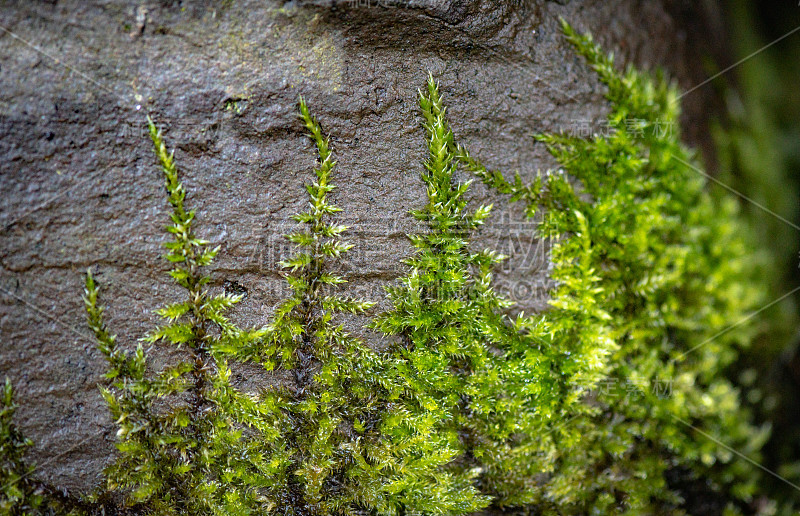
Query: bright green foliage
{"points": [[439, 328], [332, 460], [647, 259], [473, 376], [603, 404], [180, 428], [19, 494], [572, 340]]}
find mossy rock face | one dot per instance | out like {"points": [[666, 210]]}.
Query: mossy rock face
{"points": [[81, 188]]}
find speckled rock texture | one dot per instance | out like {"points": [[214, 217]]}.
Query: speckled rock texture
{"points": [[80, 187]]}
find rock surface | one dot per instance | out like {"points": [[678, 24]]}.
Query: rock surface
{"points": [[80, 186]]}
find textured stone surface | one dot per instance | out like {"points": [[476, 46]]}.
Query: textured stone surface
{"points": [[80, 186]]}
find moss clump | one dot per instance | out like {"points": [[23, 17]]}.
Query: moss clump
{"points": [[604, 403], [440, 328], [19, 494], [482, 381], [180, 437], [22, 493], [669, 266], [330, 452]]}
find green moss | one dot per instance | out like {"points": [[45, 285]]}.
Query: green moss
{"points": [[235, 104], [611, 401], [19, 495], [22, 492], [669, 266], [329, 451], [438, 312], [180, 441], [489, 384]]}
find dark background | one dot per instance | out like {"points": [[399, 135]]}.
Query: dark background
{"points": [[757, 153]]}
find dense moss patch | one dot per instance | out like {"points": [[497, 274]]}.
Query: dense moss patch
{"points": [[654, 273], [613, 400]]}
